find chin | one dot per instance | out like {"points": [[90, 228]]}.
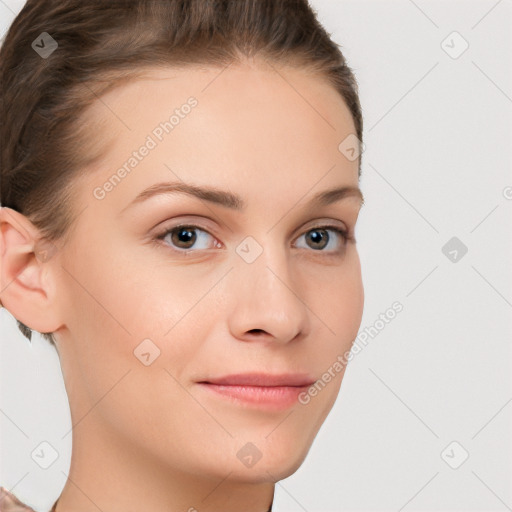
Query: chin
{"points": [[275, 465]]}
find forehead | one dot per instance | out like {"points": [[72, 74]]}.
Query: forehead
{"points": [[249, 126]]}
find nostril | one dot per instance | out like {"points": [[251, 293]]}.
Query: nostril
{"points": [[256, 331]]}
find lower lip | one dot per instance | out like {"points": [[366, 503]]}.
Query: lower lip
{"points": [[274, 397]]}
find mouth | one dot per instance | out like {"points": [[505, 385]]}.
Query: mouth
{"points": [[263, 379], [257, 389]]}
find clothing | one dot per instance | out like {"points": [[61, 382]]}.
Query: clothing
{"points": [[9, 503]]}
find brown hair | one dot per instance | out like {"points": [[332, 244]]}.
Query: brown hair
{"points": [[101, 44]]}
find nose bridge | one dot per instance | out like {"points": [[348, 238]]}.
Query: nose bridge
{"points": [[266, 296]]}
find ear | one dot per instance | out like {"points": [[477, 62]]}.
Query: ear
{"points": [[26, 287]]}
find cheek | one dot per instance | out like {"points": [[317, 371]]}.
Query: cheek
{"points": [[337, 299], [117, 298], [347, 309]]}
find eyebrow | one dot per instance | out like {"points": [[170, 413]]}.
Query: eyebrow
{"points": [[233, 201]]}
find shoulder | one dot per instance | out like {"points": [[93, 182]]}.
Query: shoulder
{"points": [[9, 502]]}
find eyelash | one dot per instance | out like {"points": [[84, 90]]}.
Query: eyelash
{"points": [[346, 235]]}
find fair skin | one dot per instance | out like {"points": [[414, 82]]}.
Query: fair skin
{"points": [[150, 437]]}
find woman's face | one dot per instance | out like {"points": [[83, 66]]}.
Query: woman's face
{"points": [[257, 284]]}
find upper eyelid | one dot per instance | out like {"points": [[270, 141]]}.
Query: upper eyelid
{"points": [[197, 224]]}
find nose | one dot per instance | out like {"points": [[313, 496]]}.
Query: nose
{"points": [[266, 300]]}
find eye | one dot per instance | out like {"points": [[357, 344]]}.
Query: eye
{"points": [[184, 237], [318, 238]]}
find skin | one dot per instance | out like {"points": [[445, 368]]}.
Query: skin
{"points": [[148, 437]]}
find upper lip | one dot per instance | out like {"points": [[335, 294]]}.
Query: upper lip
{"points": [[263, 379]]}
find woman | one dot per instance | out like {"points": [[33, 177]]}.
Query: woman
{"points": [[179, 199]]}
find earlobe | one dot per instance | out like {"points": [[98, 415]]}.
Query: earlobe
{"points": [[24, 278]]}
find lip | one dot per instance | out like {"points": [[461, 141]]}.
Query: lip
{"points": [[259, 389], [263, 379]]}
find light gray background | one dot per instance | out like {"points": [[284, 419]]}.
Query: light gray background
{"points": [[437, 164]]}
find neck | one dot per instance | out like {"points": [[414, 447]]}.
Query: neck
{"points": [[116, 476]]}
